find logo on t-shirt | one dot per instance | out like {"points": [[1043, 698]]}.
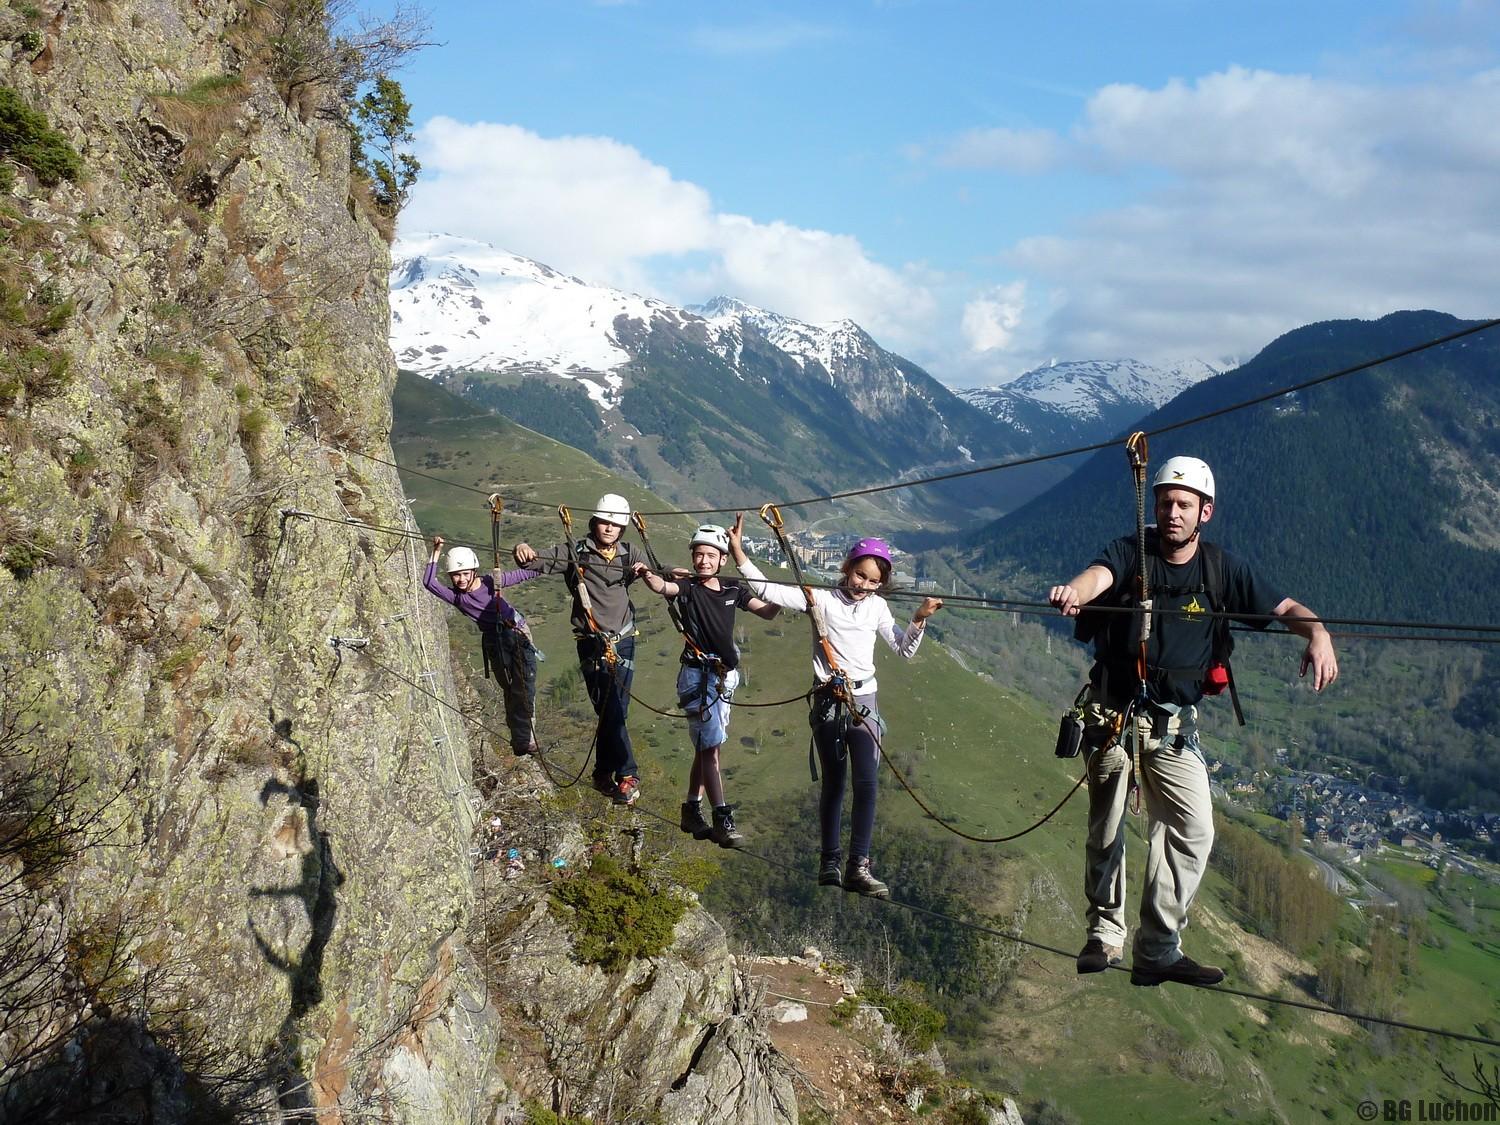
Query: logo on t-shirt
{"points": [[1192, 609]]}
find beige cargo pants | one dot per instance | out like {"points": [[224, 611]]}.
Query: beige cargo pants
{"points": [[1180, 829]]}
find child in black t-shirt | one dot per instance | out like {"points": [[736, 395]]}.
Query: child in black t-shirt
{"points": [[704, 606]]}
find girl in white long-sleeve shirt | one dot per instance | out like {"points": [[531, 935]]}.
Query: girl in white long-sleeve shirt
{"points": [[853, 616]]}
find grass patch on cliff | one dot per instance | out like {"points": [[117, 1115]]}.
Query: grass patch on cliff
{"points": [[616, 915], [26, 138], [200, 115]]}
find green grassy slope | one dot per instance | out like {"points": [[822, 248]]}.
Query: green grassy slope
{"points": [[981, 753]]}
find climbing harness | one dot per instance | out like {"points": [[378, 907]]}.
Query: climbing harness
{"points": [[695, 655], [832, 700]]}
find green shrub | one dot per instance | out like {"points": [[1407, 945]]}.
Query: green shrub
{"points": [[916, 1022], [26, 136], [538, 1114], [616, 916]]}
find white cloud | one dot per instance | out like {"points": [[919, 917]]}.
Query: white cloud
{"points": [[991, 319], [597, 208], [1274, 200]]}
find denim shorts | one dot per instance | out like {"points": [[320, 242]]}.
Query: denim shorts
{"points": [[707, 707]]}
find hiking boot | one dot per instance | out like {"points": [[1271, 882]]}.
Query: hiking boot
{"points": [[525, 751], [830, 870], [1095, 956], [1184, 970], [605, 784], [627, 791], [859, 881], [724, 832], [692, 820]]}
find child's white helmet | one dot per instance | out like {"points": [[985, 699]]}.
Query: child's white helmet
{"points": [[461, 558], [613, 508], [711, 535]]}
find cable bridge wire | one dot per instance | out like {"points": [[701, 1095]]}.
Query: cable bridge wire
{"points": [[1491, 633], [991, 931], [1014, 463], [1014, 606]]}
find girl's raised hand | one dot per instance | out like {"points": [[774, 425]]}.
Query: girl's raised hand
{"points": [[928, 607]]}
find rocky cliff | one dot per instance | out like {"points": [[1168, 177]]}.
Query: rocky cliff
{"points": [[236, 810]]}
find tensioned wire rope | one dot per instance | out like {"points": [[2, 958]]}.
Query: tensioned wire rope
{"points": [[991, 931], [1020, 606], [1004, 605], [1014, 463]]}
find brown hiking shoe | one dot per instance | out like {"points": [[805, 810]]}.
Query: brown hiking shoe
{"points": [[858, 880], [724, 833], [692, 820], [1095, 956], [1184, 970]]}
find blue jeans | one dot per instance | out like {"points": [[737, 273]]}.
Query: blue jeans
{"points": [[707, 707], [609, 691]]}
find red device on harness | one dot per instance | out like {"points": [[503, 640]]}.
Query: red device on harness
{"points": [[1216, 680]]}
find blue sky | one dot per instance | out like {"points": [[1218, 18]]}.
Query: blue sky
{"points": [[983, 186]]}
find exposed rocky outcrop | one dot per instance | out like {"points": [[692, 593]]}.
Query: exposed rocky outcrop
{"points": [[267, 905]]}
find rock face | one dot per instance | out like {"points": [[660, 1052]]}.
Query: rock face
{"points": [[236, 804]]}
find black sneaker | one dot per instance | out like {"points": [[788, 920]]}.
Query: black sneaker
{"points": [[724, 832], [692, 820], [830, 870], [1184, 970], [605, 784], [859, 881], [1095, 956]]}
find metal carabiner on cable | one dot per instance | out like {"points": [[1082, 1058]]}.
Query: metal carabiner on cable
{"points": [[496, 504]]}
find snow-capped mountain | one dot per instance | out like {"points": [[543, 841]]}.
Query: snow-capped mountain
{"points": [[462, 305], [1089, 399], [681, 397]]}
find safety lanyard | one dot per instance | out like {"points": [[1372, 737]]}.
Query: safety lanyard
{"points": [[582, 589], [1135, 453], [497, 510], [672, 611], [838, 682]]}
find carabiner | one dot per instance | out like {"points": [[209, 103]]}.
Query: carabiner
{"points": [[772, 515]]}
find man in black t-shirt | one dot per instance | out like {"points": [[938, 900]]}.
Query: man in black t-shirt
{"points": [[1160, 717], [704, 606]]}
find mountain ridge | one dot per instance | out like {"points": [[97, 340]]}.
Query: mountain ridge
{"points": [[722, 402]]}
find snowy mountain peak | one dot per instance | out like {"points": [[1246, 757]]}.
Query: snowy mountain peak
{"points": [[1091, 398], [832, 344], [462, 305]]}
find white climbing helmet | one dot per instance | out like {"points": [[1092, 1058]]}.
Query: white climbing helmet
{"points": [[710, 535], [1186, 472], [461, 558], [613, 508]]}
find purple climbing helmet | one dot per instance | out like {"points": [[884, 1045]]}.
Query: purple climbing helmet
{"points": [[868, 548]]}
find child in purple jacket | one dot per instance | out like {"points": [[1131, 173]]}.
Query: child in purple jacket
{"points": [[503, 632]]}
